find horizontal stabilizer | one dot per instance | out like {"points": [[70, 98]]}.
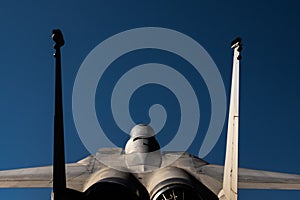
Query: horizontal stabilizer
{"points": [[41, 177], [256, 179]]}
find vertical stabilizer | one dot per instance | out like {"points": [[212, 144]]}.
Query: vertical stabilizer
{"points": [[230, 178], [60, 190], [59, 174]]}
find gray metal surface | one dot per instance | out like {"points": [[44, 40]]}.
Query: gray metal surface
{"points": [[81, 173]]}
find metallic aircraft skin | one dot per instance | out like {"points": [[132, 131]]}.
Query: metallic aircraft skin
{"points": [[86, 172], [141, 170]]}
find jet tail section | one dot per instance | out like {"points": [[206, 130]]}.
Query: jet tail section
{"points": [[230, 177]]}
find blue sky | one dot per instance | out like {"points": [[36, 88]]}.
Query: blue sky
{"points": [[269, 109]]}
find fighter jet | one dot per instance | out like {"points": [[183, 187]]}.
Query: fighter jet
{"points": [[141, 171]]}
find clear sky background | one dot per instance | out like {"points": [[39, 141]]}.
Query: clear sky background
{"points": [[269, 107]]}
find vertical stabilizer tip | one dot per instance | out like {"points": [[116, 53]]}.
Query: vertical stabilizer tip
{"points": [[58, 38], [236, 42]]}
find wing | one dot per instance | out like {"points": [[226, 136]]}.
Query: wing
{"points": [[77, 174], [256, 179], [27, 177], [41, 177]]}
